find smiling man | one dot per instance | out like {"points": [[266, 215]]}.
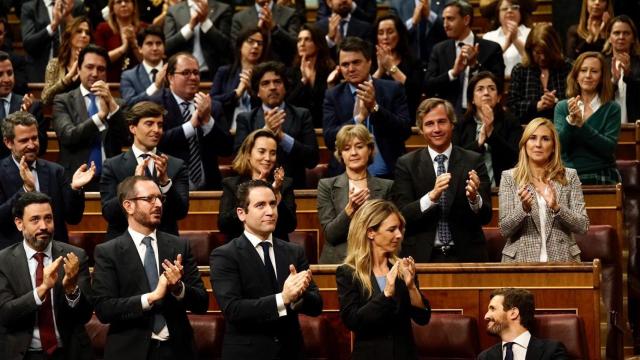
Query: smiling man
{"points": [[443, 191], [145, 79], [145, 120]]}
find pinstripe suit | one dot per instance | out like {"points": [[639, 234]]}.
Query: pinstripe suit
{"points": [[522, 230]]}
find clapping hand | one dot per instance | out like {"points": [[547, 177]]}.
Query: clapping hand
{"points": [[575, 113], [83, 176], [71, 268], [549, 196], [473, 183], [392, 275], [356, 199], [295, 285], [526, 197]]}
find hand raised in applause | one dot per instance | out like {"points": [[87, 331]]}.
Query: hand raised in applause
{"points": [[356, 199], [441, 185], [473, 183], [392, 275], [526, 197], [49, 278], [295, 285], [71, 268], [83, 176]]}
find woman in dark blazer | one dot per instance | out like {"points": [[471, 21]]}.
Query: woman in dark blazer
{"points": [[256, 159], [339, 197], [378, 291]]}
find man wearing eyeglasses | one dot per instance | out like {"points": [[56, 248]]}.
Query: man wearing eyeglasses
{"points": [[195, 129], [145, 281], [145, 120]]}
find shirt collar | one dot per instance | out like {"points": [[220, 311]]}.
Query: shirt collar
{"points": [[33, 164], [522, 340], [266, 108], [7, 98], [256, 241], [467, 40], [30, 251], [148, 67], [446, 153], [259, 8], [595, 104], [137, 237], [180, 100], [137, 152], [84, 91]]}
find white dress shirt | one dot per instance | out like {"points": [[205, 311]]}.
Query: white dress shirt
{"points": [[465, 83], [511, 55], [521, 343]]}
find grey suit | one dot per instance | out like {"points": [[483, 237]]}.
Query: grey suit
{"points": [[522, 230], [333, 196]]}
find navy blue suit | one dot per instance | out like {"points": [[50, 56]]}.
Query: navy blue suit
{"points": [[391, 123], [36, 111], [356, 27], [366, 10], [225, 82], [67, 204], [133, 85]]}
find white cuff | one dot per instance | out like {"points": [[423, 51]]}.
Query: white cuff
{"points": [[165, 189], [151, 89], [186, 32], [145, 302], [451, 77], [426, 203], [282, 309], [189, 130], [96, 120], [206, 25]]}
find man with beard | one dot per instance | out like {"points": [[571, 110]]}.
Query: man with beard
{"points": [[88, 121], [23, 172], [341, 24], [44, 289], [298, 147], [145, 121], [146, 309], [510, 316]]}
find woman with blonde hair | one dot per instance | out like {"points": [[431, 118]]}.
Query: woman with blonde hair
{"points": [[589, 34], [339, 197], [256, 160], [378, 292], [588, 122], [541, 201]]}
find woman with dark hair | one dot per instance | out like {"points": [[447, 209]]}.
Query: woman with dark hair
{"points": [[232, 83], [588, 122], [622, 52], [394, 59], [540, 81], [118, 36], [256, 160], [309, 73], [589, 34], [487, 128], [62, 71], [512, 20]]}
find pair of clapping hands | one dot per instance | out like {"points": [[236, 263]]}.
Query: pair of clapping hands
{"points": [[442, 184], [295, 285], [71, 266], [404, 269], [527, 192], [170, 279]]}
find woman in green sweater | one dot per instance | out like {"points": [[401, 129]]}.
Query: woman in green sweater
{"points": [[588, 122]]}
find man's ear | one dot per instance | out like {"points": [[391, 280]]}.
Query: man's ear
{"points": [[18, 222], [514, 313], [242, 215]]}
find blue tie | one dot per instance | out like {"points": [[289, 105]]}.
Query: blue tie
{"points": [[268, 266], [508, 351], [151, 269], [444, 233], [95, 154]]}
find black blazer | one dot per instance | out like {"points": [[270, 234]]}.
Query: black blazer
{"points": [[253, 329], [216, 143], [415, 176], [119, 280], [304, 95], [365, 10], [298, 125], [382, 326], [356, 27], [538, 349], [225, 82], [18, 308], [36, 111], [503, 142], [67, 204], [120, 167], [391, 124], [232, 227], [442, 58]]}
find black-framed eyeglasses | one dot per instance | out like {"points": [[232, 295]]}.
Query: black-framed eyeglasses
{"points": [[186, 73], [252, 42], [151, 199]]}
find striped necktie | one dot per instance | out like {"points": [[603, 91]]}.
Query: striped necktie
{"points": [[443, 231], [195, 163]]}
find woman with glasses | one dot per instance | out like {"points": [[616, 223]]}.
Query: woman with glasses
{"points": [[232, 83], [118, 36], [256, 160], [589, 34]]}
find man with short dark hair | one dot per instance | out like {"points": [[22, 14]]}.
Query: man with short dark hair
{"points": [[341, 23], [380, 105], [145, 79], [262, 283], [364, 10], [17, 60], [44, 289], [510, 316], [145, 281], [23, 172], [88, 121], [146, 122], [298, 147]]}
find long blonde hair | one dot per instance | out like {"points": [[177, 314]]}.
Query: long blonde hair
{"points": [[554, 169], [583, 30], [359, 251]]}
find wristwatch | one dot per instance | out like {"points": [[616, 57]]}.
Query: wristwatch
{"points": [[375, 109], [394, 69]]}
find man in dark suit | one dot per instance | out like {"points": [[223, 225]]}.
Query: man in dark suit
{"points": [[298, 147], [11, 102], [200, 27], [24, 172], [145, 79], [42, 24], [364, 10], [146, 309], [44, 288], [262, 283], [195, 129], [88, 121], [145, 121], [380, 105], [280, 23], [342, 24], [18, 61], [510, 316], [453, 62], [443, 191]]}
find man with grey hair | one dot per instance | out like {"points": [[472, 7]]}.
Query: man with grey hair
{"points": [[23, 172]]}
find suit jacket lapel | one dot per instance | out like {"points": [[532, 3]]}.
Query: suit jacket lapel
{"points": [[21, 269], [143, 77], [375, 187], [130, 259], [253, 260], [43, 176], [457, 176], [426, 174], [165, 250], [534, 349], [81, 106], [341, 193], [16, 103], [258, 118], [11, 171], [282, 263]]}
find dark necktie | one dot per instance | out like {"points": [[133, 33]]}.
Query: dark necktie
{"points": [[444, 233], [195, 167], [154, 72], [45, 312], [147, 172], [151, 269], [3, 113], [343, 24], [95, 154], [268, 266], [508, 351]]}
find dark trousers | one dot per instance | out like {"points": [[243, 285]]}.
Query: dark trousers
{"points": [[161, 350], [41, 355]]}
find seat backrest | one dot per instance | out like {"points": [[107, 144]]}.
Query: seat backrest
{"points": [[202, 242], [208, 331], [87, 241], [306, 239], [566, 328], [495, 243], [98, 335], [447, 336], [320, 342], [314, 175]]}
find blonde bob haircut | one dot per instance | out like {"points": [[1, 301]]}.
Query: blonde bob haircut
{"points": [[241, 163], [605, 87], [431, 103], [554, 168], [359, 250], [349, 132]]}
